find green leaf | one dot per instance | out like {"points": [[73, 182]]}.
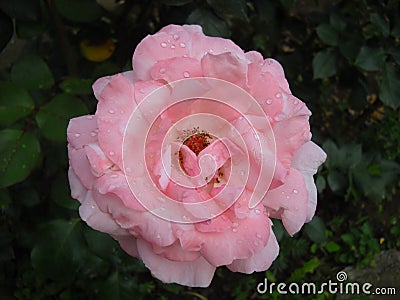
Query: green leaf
{"points": [[337, 22], [328, 34], [101, 244], [19, 152], [230, 9], [54, 116], [60, 250], [370, 59], [316, 230], [79, 10], [380, 24], [308, 267], [77, 86], [348, 239], [212, 25], [5, 198], [118, 286], [6, 30], [389, 87], [337, 181], [324, 64], [32, 72], [15, 103], [332, 247], [278, 229]]}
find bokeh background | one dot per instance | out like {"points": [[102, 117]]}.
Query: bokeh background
{"points": [[340, 57]]}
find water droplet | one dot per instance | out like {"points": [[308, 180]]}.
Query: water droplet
{"points": [[128, 170], [93, 134], [257, 211], [93, 206], [162, 71], [111, 187], [77, 135], [172, 46], [176, 37], [287, 197], [279, 117], [268, 101], [295, 191], [89, 117], [114, 176], [235, 224], [278, 95], [158, 236], [234, 229], [185, 218], [211, 51], [111, 111], [258, 235], [256, 136], [186, 74], [295, 102], [111, 153], [183, 45], [256, 243], [163, 44]]}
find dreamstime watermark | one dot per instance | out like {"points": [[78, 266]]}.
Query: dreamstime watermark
{"points": [[332, 287], [198, 105]]}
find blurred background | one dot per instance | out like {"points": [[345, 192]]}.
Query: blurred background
{"points": [[340, 57]]}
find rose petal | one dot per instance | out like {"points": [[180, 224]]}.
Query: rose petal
{"points": [[82, 131], [197, 273]]}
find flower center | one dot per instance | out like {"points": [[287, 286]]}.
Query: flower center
{"points": [[196, 140]]}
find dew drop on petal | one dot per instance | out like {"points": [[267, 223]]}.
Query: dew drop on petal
{"points": [[93, 134], [234, 229], [295, 102], [162, 71], [268, 101], [256, 243], [176, 37], [111, 153], [89, 117], [114, 176], [128, 170], [295, 191], [158, 236], [183, 45], [186, 74], [278, 95], [235, 224], [163, 44], [77, 135], [172, 46], [257, 211], [111, 111], [258, 235]]}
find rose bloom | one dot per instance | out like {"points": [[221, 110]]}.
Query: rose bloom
{"points": [[229, 231]]}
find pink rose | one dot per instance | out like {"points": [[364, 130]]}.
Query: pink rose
{"points": [[189, 155]]}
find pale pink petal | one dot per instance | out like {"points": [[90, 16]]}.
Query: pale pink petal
{"points": [[91, 214], [176, 68], [82, 131], [197, 273], [245, 237], [78, 190], [128, 243], [307, 159], [97, 159], [116, 103], [290, 200], [115, 183], [175, 252], [81, 166], [225, 66], [260, 261]]}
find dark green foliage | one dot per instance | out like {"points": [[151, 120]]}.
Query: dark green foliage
{"points": [[341, 57]]}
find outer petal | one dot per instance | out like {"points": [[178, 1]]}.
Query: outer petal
{"points": [[116, 104], [91, 214], [82, 131], [81, 166], [128, 243], [291, 200], [260, 261], [78, 190], [197, 273], [307, 160]]}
